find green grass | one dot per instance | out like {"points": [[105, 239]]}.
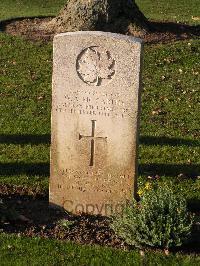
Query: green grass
{"points": [[29, 8], [171, 10], [25, 86], [170, 129], [22, 251]]}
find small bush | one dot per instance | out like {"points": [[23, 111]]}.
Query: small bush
{"points": [[160, 219]]}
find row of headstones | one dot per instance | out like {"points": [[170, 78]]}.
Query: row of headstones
{"points": [[95, 120]]}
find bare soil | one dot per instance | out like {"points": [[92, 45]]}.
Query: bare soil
{"points": [[31, 29], [34, 217]]}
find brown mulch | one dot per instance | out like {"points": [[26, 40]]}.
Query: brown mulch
{"points": [[160, 31], [27, 28], [34, 218]]}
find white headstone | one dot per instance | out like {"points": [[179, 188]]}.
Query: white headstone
{"points": [[95, 115]]}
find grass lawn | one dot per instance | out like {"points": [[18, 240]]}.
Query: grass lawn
{"points": [[169, 136], [171, 10], [22, 251], [29, 8]]}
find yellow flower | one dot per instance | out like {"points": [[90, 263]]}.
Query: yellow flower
{"points": [[140, 192], [147, 186]]}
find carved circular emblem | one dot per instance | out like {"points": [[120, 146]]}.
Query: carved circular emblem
{"points": [[95, 66]]}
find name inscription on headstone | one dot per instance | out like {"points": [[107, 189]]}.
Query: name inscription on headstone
{"points": [[95, 103], [95, 114]]}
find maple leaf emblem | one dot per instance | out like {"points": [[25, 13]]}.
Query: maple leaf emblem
{"points": [[95, 65]]}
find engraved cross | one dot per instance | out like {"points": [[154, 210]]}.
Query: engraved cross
{"points": [[93, 139]]}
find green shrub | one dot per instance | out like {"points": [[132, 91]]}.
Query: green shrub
{"points": [[160, 219]]}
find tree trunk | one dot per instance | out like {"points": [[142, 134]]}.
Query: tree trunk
{"points": [[121, 16]]}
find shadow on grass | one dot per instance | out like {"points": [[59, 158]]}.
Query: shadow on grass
{"points": [[46, 139], [25, 139], [161, 141], [153, 168], [190, 171], [31, 169], [176, 28], [42, 169]]}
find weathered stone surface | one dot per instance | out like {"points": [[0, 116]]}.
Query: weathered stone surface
{"points": [[95, 115]]}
